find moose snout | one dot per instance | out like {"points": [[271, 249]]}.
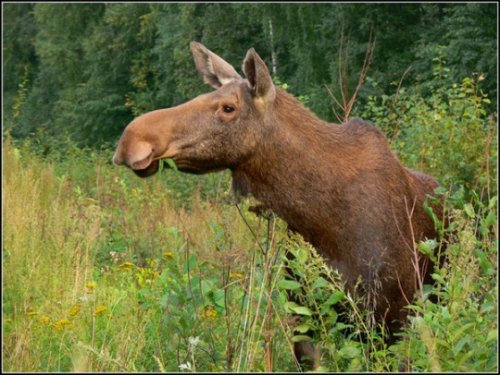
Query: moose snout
{"points": [[117, 159], [135, 155]]}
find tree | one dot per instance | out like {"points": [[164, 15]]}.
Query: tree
{"points": [[87, 69]]}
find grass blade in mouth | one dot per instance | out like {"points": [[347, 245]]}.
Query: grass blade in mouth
{"points": [[170, 164]]}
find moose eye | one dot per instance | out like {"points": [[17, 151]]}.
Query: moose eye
{"points": [[228, 109]]}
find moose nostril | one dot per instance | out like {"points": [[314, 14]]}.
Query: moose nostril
{"points": [[116, 160], [142, 163]]}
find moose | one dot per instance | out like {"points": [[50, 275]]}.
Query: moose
{"points": [[338, 185]]}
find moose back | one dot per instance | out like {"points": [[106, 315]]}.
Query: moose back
{"points": [[339, 186]]}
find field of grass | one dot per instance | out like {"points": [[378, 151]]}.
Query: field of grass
{"points": [[103, 271]]}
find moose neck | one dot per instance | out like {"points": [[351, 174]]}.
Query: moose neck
{"points": [[296, 167]]}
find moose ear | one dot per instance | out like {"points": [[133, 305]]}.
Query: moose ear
{"points": [[214, 70], [260, 80]]}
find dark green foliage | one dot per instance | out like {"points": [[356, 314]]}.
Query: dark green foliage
{"points": [[449, 134], [19, 30], [87, 69]]}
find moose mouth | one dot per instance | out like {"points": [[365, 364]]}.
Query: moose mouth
{"points": [[181, 165], [150, 170], [154, 167]]}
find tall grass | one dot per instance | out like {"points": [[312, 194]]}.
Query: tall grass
{"points": [[48, 254], [114, 275], [110, 275]]}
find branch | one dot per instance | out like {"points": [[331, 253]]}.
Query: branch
{"points": [[343, 78]]}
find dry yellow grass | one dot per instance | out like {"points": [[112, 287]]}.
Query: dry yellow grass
{"points": [[56, 316]]}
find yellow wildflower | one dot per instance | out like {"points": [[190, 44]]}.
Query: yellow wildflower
{"points": [[91, 285], [74, 310], [209, 313], [126, 266], [44, 319], [61, 324], [236, 275], [169, 255], [146, 276], [99, 310]]}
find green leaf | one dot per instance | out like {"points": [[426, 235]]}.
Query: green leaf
{"points": [[469, 210], [303, 328], [492, 335], [493, 202], [289, 306], [288, 284], [301, 338], [335, 298], [484, 262], [301, 310], [171, 164], [341, 326], [206, 286], [192, 262], [438, 278], [320, 283], [460, 344], [490, 218], [427, 247], [219, 298], [349, 352]]}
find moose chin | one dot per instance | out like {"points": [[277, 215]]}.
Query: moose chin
{"points": [[338, 185]]}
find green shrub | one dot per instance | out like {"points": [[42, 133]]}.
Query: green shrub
{"points": [[449, 135]]}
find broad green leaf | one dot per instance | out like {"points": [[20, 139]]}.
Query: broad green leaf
{"points": [[303, 328], [320, 283], [301, 338], [206, 286], [302, 310], [288, 284], [334, 298], [438, 278], [460, 344], [219, 298]]}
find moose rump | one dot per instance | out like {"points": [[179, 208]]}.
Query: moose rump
{"points": [[339, 186]]}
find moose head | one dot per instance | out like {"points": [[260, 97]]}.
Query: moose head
{"points": [[214, 131]]}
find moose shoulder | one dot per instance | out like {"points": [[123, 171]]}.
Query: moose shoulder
{"points": [[340, 186]]}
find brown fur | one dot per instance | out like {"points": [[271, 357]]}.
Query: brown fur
{"points": [[339, 186]]}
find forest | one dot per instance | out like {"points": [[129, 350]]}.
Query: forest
{"points": [[88, 69], [103, 271]]}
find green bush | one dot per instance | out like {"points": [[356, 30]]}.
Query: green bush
{"points": [[449, 135]]}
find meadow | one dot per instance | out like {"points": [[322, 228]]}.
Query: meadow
{"points": [[103, 271]]}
